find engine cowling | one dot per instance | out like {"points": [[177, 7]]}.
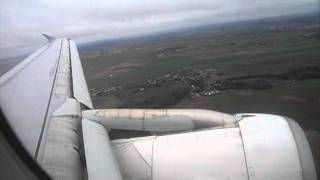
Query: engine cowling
{"points": [[261, 147]]}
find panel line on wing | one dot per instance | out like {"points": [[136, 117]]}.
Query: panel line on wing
{"points": [[47, 110]]}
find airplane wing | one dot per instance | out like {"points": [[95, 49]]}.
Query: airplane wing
{"points": [[48, 118], [42, 98]]}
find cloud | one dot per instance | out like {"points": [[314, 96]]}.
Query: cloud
{"points": [[22, 22]]}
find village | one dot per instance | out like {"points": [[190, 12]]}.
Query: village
{"points": [[201, 82]]}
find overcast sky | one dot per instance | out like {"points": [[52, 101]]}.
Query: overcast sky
{"points": [[22, 21]]}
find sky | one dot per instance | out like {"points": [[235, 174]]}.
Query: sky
{"points": [[22, 22]]}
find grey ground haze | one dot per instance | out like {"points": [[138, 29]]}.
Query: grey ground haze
{"points": [[22, 22]]}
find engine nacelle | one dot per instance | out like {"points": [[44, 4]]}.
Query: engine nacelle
{"points": [[260, 147]]}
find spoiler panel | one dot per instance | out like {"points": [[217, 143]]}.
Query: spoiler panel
{"points": [[80, 88]]}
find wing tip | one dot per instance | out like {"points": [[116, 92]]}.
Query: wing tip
{"points": [[49, 38]]}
